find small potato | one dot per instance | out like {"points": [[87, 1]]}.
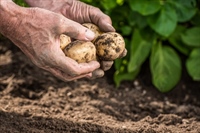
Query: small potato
{"points": [[109, 46], [81, 51], [94, 29], [64, 41]]}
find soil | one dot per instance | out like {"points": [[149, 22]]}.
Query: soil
{"points": [[34, 101]]}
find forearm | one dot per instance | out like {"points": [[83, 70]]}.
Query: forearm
{"points": [[9, 13], [51, 4], [38, 3]]}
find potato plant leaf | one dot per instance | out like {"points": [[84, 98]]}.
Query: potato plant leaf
{"points": [[192, 37], [165, 67], [165, 21], [193, 64], [145, 7], [139, 51], [185, 9], [195, 20], [140, 20], [175, 40]]}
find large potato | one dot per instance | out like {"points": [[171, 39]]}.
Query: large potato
{"points": [[109, 46], [81, 51]]}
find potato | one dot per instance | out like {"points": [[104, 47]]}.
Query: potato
{"points": [[81, 51], [109, 46], [64, 41], [94, 29]]}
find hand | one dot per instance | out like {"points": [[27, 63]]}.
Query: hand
{"points": [[77, 11], [37, 33], [82, 13]]}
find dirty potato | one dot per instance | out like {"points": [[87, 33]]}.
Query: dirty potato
{"points": [[94, 29], [64, 41], [109, 46], [81, 51]]}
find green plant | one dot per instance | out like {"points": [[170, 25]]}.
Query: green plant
{"points": [[160, 31], [20, 2]]}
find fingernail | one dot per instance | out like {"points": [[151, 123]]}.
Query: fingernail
{"points": [[110, 27], [89, 35]]}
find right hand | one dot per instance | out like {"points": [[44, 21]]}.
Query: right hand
{"points": [[37, 33]]}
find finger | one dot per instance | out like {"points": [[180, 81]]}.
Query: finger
{"points": [[68, 65], [89, 75], [102, 20], [65, 77], [106, 65], [57, 59], [83, 13], [124, 53], [75, 30], [98, 73]]}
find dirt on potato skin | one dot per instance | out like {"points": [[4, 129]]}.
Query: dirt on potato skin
{"points": [[32, 100]]}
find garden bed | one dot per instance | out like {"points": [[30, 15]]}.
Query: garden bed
{"points": [[32, 100]]}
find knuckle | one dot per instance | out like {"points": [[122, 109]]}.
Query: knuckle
{"points": [[59, 22], [96, 9]]}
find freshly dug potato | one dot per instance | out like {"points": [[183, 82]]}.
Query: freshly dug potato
{"points": [[64, 41], [94, 29], [81, 51], [109, 46]]}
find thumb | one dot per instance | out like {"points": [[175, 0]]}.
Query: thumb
{"points": [[76, 30]]}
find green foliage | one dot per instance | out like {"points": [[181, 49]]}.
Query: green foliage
{"points": [[160, 31], [138, 46], [20, 2], [142, 6], [164, 22], [165, 67], [191, 37], [193, 63]]}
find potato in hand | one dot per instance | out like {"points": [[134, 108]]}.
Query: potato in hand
{"points": [[81, 51], [104, 47], [109, 46]]}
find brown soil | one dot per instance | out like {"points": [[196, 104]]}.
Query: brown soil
{"points": [[32, 100]]}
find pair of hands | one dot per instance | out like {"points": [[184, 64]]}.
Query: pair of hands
{"points": [[36, 31]]}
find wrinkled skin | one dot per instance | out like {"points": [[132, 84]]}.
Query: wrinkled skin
{"points": [[76, 11], [36, 32]]}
